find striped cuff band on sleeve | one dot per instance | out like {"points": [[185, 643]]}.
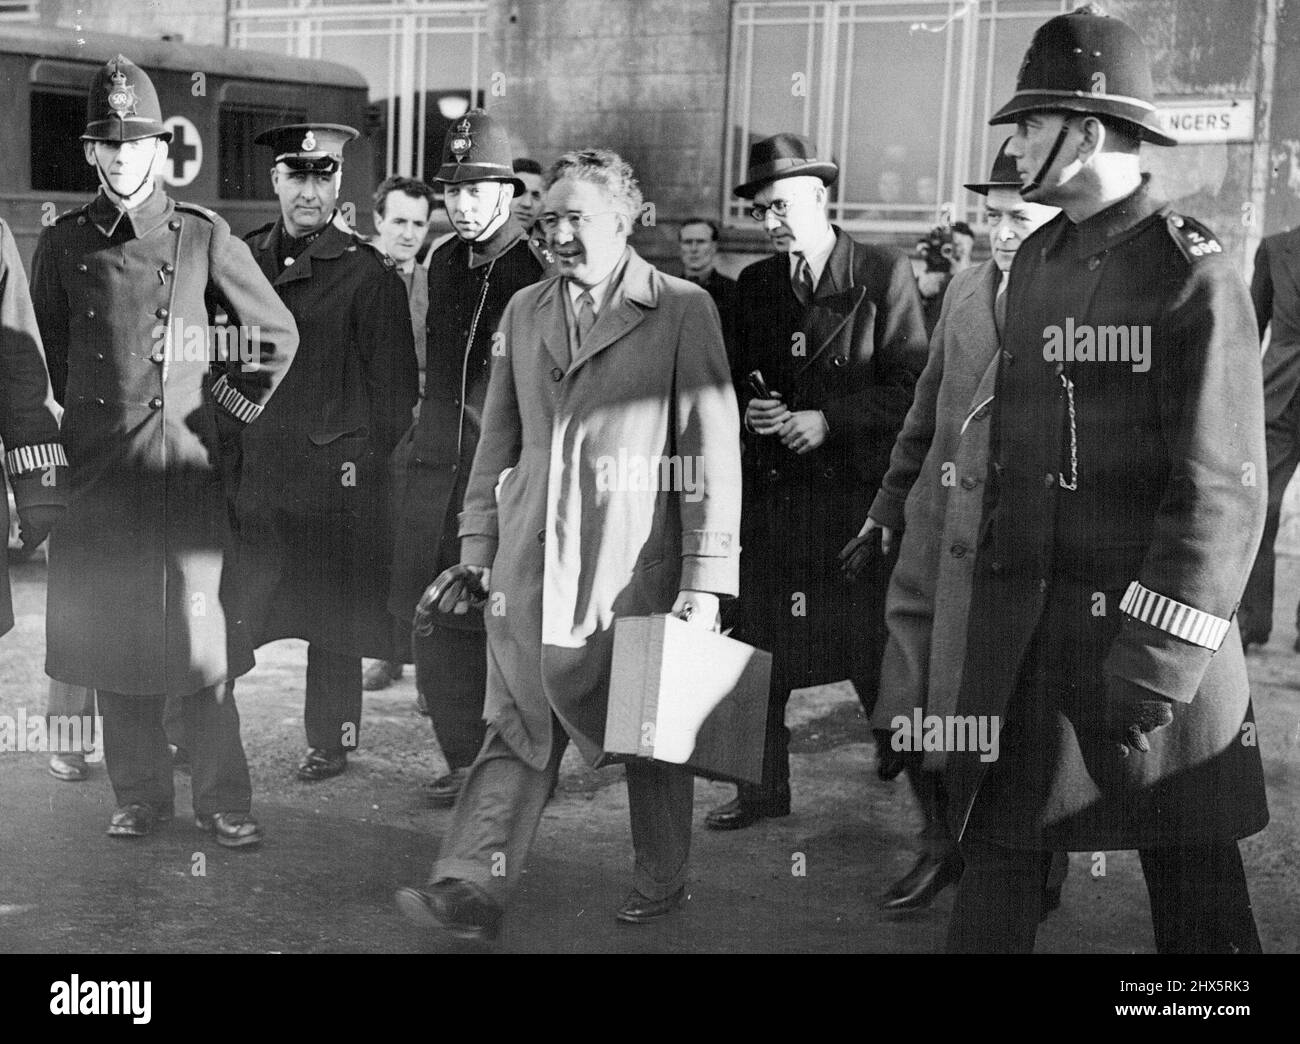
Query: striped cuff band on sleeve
{"points": [[1182, 621], [235, 403], [35, 458]]}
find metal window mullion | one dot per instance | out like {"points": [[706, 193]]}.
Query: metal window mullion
{"points": [[422, 79], [729, 145], [965, 111], [474, 71], [825, 135], [808, 59], [404, 88], [749, 86], [846, 74], [945, 110]]}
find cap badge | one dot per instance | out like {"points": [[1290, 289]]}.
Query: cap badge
{"points": [[121, 95], [309, 142], [462, 142]]}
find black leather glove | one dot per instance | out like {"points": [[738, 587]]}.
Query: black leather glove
{"points": [[1132, 712], [35, 523], [459, 585], [857, 555], [889, 762]]}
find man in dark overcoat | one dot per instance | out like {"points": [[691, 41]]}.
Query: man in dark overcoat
{"points": [[834, 327], [141, 591], [1125, 501], [315, 536], [471, 278], [1275, 291]]}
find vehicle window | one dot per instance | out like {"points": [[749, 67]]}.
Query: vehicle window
{"points": [[58, 161], [245, 168]]}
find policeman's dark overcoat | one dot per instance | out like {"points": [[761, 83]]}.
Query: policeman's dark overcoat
{"points": [[313, 513], [140, 585], [855, 354], [29, 415], [432, 463], [1168, 465]]}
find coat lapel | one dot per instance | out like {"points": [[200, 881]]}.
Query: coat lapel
{"points": [[554, 328], [328, 245], [836, 301], [624, 308]]}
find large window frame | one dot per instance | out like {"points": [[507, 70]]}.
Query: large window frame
{"points": [[302, 27], [834, 29]]}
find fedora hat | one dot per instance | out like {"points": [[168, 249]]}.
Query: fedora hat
{"points": [[1003, 175], [784, 156]]}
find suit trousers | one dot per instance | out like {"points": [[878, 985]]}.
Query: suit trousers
{"points": [[332, 712], [66, 700], [451, 674], [140, 765], [501, 804], [1198, 895], [1282, 440]]}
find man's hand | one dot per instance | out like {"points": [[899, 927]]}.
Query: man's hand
{"points": [[857, 554], [931, 284], [705, 611], [35, 523], [804, 430], [455, 591], [889, 762], [765, 416], [1132, 712]]}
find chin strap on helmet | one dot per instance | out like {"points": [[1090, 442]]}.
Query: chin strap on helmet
{"points": [[108, 185], [1037, 180]]}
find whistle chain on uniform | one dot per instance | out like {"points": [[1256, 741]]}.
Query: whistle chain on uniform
{"points": [[1073, 484]]}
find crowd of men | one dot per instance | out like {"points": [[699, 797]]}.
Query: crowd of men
{"points": [[965, 525]]}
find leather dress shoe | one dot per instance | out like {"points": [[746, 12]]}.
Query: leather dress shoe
{"points": [[322, 764], [443, 791], [740, 813], [637, 909], [916, 889], [232, 829], [70, 767], [455, 907], [136, 820], [380, 674]]}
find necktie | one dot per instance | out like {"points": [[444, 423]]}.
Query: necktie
{"points": [[1000, 305], [586, 317], [803, 280]]}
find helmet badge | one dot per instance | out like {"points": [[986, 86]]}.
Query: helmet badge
{"points": [[462, 142], [121, 96]]}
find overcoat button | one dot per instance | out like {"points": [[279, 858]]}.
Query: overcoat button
{"points": [[995, 567], [1042, 585], [981, 413], [99, 356], [557, 374], [1008, 358], [969, 483], [155, 403], [828, 473], [541, 536], [161, 313], [169, 268], [1059, 368], [773, 473], [83, 267], [100, 402], [1049, 480], [81, 220], [157, 357], [1093, 263], [958, 550], [837, 360], [173, 225], [90, 313]]}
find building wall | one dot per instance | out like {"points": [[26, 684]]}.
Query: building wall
{"points": [[197, 21], [647, 78]]}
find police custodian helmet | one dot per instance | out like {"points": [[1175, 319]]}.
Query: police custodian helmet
{"points": [[1087, 62], [477, 148], [122, 105]]}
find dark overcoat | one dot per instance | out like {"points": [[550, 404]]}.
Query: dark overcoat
{"points": [[141, 594], [855, 354], [559, 505], [29, 415], [1275, 293], [431, 464], [313, 503], [1135, 572]]}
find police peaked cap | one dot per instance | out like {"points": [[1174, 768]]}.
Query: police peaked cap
{"points": [[122, 105], [316, 147], [1087, 62]]}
